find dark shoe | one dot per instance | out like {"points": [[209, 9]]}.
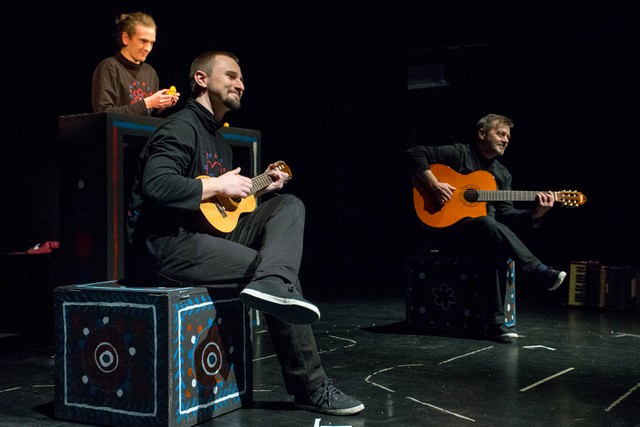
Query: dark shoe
{"points": [[501, 333], [329, 400], [549, 277], [281, 300]]}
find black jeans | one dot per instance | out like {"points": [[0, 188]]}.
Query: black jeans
{"points": [[266, 242], [493, 243]]}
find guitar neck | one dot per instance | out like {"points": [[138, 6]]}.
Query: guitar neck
{"points": [[260, 182], [508, 195], [263, 180]]}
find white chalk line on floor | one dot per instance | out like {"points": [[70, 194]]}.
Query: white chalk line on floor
{"points": [[368, 380], [549, 378]]}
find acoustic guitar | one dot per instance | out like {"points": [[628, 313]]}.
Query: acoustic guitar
{"points": [[470, 198], [222, 213]]}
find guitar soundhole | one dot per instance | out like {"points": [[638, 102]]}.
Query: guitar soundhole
{"points": [[471, 196]]}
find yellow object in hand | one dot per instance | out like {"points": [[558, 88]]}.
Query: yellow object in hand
{"points": [[171, 91]]}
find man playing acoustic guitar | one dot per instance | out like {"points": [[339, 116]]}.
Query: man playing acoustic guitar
{"points": [[187, 163], [438, 201]]}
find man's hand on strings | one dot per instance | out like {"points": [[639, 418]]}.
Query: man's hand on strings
{"points": [[545, 202], [230, 184], [279, 178], [442, 192]]}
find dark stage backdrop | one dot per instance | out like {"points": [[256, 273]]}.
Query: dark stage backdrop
{"points": [[327, 86]]}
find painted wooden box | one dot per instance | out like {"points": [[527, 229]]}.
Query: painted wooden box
{"points": [[448, 293], [129, 356]]}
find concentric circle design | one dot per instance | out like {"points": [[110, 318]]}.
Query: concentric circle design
{"points": [[212, 359], [105, 356], [208, 359]]}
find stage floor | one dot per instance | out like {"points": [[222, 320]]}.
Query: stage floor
{"points": [[570, 367]]}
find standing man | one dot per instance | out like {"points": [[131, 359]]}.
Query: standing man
{"points": [[488, 237], [125, 83], [264, 249]]}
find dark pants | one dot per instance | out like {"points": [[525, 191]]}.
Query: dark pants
{"points": [[266, 242], [493, 243]]}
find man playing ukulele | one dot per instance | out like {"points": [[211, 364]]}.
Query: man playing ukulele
{"points": [[263, 251]]}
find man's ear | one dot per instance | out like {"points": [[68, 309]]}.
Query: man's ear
{"points": [[200, 77], [124, 36], [482, 133]]}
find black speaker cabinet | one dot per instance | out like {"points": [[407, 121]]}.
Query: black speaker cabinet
{"points": [[97, 167]]}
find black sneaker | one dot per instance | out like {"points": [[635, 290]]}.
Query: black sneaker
{"points": [[501, 333], [329, 400], [281, 300], [549, 277]]}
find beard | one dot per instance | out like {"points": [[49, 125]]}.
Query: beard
{"points": [[232, 103]]}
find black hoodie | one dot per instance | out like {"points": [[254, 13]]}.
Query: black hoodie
{"points": [[164, 195]]}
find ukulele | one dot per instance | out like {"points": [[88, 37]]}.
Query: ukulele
{"points": [[222, 213]]}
